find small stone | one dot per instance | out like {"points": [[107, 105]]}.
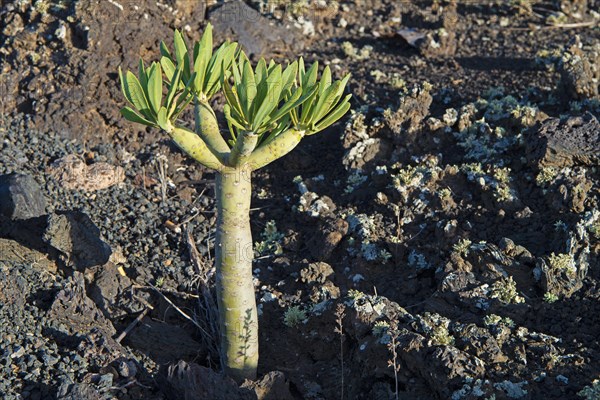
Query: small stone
{"points": [[21, 197]]}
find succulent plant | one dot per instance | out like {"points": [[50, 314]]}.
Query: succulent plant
{"points": [[269, 109]]}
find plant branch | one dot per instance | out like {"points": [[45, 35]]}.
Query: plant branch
{"points": [[194, 146], [244, 146], [276, 148], [207, 128]]}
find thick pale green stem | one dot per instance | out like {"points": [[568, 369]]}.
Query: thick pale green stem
{"points": [[192, 145], [244, 145], [235, 290], [207, 128], [276, 148]]}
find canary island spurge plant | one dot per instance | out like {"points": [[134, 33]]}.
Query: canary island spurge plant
{"points": [[268, 110]]}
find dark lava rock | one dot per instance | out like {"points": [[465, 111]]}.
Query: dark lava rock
{"points": [[481, 342], [578, 71], [77, 391], [316, 272], [77, 312], [107, 286], [21, 197], [165, 343], [13, 251], [412, 110], [75, 235], [193, 382], [273, 386], [327, 239], [367, 153], [444, 367], [564, 143], [13, 287], [258, 35]]}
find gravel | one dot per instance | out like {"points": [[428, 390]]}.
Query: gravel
{"points": [[38, 357]]}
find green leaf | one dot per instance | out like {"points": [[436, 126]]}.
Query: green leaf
{"points": [[180, 47], [132, 116], [289, 76], [164, 51], [162, 119], [135, 92], [187, 90], [310, 78], [181, 54], [219, 62], [333, 116], [123, 82], [202, 60], [155, 86], [271, 98], [301, 70], [261, 71], [168, 67], [232, 98], [172, 90], [282, 125], [231, 119], [247, 88], [325, 102], [325, 80], [142, 74], [291, 103]]}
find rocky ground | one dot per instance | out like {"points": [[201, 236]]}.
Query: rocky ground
{"points": [[442, 241]]}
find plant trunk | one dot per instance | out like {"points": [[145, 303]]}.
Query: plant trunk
{"points": [[238, 318]]}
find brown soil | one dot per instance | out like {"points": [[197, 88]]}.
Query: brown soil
{"points": [[415, 172]]}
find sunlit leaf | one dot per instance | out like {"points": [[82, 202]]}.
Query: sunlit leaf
{"points": [[155, 86], [333, 116], [132, 116], [137, 95]]}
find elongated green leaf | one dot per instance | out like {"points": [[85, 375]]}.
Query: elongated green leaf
{"points": [[162, 119], [232, 98], [180, 47], [231, 119], [143, 74], [288, 77], [168, 67], [220, 62], [227, 111], [310, 78], [282, 125], [123, 82], [333, 116], [325, 102], [202, 60], [291, 103], [271, 99], [169, 103], [309, 105], [187, 72], [260, 71], [181, 106], [246, 88], [138, 97], [262, 93], [181, 54], [155, 86], [325, 81], [164, 51], [187, 90], [301, 70], [131, 115]]}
